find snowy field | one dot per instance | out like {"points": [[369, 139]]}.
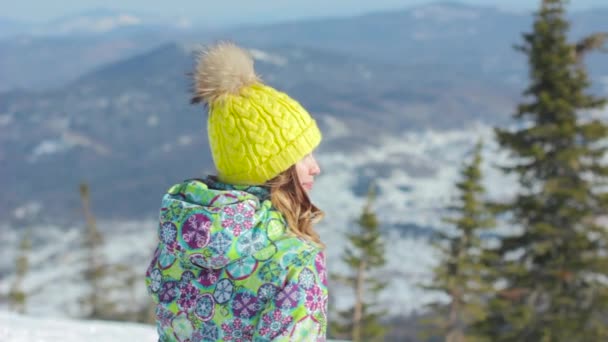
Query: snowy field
{"points": [[19, 328], [415, 173]]}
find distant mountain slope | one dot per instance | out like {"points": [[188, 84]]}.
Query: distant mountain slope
{"points": [[128, 128], [471, 39]]}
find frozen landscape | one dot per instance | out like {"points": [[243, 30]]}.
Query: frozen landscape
{"points": [[403, 115]]}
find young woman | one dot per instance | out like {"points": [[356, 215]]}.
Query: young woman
{"points": [[238, 258]]}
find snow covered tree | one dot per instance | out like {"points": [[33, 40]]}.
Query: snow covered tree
{"points": [[462, 275], [364, 256], [554, 267], [17, 296]]}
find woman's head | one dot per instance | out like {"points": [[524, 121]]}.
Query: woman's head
{"points": [[255, 132], [259, 135], [289, 195]]}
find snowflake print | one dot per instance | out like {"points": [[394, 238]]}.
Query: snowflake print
{"points": [[208, 331], [223, 291], [208, 276], [314, 299], [307, 329], [171, 212], [288, 297], [220, 242], [306, 279], [274, 324], [155, 280], [168, 292], [241, 268], [188, 296], [195, 230], [270, 272], [245, 305], [165, 258], [266, 253], [182, 327], [295, 259], [237, 218], [168, 232], [267, 292], [275, 228], [163, 315], [251, 243], [205, 307], [186, 278], [237, 331]]}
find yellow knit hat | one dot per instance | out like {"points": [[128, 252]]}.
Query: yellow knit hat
{"points": [[255, 132]]}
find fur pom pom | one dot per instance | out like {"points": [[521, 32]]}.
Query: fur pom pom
{"points": [[222, 69]]}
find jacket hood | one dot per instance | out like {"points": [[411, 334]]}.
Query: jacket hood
{"points": [[210, 224]]}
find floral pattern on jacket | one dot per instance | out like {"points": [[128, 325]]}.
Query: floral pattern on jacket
{"points": [[226, 269]]}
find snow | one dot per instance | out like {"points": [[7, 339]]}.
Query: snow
{"points": [[47, 147], [98, 24], [415, 172], [410, 258], [22, 328], [266, 57]]}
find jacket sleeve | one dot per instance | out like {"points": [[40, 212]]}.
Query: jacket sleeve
{"points": [[298, 311]]}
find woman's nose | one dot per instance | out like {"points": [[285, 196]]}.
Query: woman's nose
{"points": [[315, 169]]}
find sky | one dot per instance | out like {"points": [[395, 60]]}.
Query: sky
{"points": [[235, 12]]}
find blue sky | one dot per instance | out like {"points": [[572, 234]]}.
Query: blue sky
{"points": [[230, 12]]}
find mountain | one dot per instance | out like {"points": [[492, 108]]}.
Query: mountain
{"points": [[50, 55], [394, 106], [128, 129], [471, 39], [40, 63], [461, 37], [102, 21]]}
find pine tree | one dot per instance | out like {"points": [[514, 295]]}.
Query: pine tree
{"points": [[553, 267], [17, 296], [93, 303], [364, 256], [461, 273]]}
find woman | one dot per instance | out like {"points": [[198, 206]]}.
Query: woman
{"points": [[238, 258]]}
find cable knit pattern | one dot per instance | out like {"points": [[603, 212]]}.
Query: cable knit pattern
{"points": [[260, 133], [255, 131]]}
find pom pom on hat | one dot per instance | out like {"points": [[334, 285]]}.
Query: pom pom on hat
{"points": [[222, 69]]}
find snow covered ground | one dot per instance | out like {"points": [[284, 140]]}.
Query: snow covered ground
{"points": [[21, 328], [415, 173]]}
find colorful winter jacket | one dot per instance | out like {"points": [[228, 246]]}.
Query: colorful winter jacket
{"points": [[226, 269]]}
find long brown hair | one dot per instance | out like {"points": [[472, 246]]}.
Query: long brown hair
{"points": [[289, 198]]}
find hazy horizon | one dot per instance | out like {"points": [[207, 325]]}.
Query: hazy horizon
{"points": [[214, 14]]}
